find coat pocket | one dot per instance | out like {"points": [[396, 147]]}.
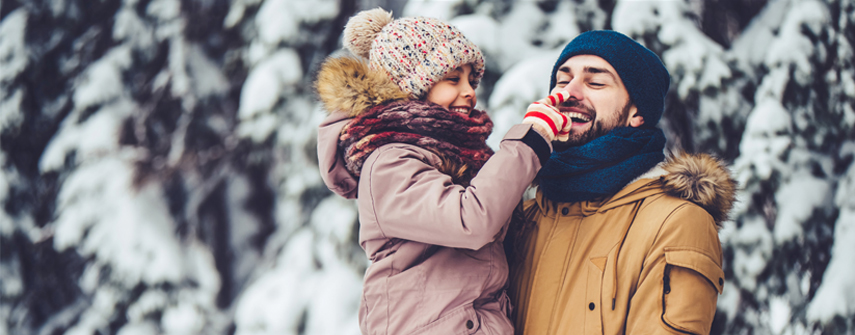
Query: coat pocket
{"points": [[690, 286], [462, 320]]}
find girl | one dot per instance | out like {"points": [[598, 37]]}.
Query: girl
{"points": [[404, 139]]}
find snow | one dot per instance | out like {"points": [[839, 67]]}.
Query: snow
{"points": [[183, 319], [279, 20], [335, 218], [780, 312], [264, 86], [837, 291], [103, 80], [130, 231], [13, 54], [526, 82], [751, 46], [756, 245], [517, 38], [764, 144], [179, 79], [129, 26], [97, 316], [11, 117], [443, 10], [149, 302], [812, 192], [207, 78], [10, 286], [560, 30], [90, 139], [273, 304], [482, 30], [633, 18], [143, 328], [164, 10]]}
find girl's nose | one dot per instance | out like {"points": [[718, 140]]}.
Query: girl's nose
{"points": [[467, 91]]}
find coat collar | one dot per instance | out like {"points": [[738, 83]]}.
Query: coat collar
{"points": [[698, 178]]}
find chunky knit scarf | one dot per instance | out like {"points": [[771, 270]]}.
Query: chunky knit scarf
{"points": [[458, 138], [603, 166]]}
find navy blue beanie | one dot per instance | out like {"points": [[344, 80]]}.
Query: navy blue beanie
{"points": [[641, 71]]}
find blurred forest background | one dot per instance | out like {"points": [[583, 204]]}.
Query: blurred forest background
{"points": [[158, 170]]}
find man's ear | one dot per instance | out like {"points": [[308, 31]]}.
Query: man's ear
{"points": [[635, 118]]}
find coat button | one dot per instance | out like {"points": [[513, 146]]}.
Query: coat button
{"points": [[591, 306], [469, 324], [565, 210], [720, 281]]}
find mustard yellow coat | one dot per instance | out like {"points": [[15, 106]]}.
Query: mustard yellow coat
{"points": [[643, 261]]}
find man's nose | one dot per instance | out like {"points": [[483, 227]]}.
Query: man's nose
{"points": [[574, 88]]}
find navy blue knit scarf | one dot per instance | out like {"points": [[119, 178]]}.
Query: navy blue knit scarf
{"points": [[603, 166]]}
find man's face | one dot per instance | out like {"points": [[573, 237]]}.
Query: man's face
{"points": [[598, 100]]}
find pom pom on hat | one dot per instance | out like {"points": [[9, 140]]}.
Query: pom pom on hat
{"points": [[362, 28]]}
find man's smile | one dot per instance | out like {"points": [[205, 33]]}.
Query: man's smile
{"points": [[577, 115]]}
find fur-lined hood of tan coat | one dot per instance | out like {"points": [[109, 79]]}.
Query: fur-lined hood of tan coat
{"points": [[703, 180], [348, 84]]}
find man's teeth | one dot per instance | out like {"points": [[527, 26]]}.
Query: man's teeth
{"points": [[578, 117]]}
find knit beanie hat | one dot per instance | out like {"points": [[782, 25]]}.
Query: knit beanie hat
{"points": [[642, 72], [415, 52]]}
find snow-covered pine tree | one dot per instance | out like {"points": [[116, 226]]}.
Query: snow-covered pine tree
{"points": [[309, 279], [116, 150], [794, 158]]}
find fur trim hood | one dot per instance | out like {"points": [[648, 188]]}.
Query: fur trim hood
{"points": [[348, 84], [704, 180]]}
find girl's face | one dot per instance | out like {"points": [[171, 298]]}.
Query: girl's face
{"points": [[456, 91]]}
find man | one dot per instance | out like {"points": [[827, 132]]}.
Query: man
{"points": [[618, 240]]}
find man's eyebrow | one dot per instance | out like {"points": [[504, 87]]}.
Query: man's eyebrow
{"points": [[597, 70]]}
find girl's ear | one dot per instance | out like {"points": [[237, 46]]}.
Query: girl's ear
{"points": [[635, 119]]}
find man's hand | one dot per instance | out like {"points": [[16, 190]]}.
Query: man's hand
{"points": [[544, 117]]}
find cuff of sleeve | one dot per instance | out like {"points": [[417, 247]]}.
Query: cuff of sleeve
{"points": [[526, 134]]}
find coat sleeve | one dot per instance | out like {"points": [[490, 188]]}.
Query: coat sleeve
{"points": [[410, 199], [677, 293]]}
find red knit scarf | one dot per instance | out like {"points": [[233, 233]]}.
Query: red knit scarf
{"points": [[457, 137]]}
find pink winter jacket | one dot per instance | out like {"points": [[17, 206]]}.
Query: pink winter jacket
{"points": [[438, 263]]}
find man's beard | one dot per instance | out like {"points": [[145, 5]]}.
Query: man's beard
{"points": [[599, 127]]}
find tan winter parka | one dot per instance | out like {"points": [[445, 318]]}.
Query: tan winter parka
{"points": [[644, 261]]}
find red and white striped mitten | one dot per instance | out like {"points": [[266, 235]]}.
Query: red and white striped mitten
{"points": [[543, 115]]}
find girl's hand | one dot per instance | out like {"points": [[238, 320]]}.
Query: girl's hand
{"points": [[545, 118]]}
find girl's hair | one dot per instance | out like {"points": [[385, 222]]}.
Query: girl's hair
{"points": [[459, 172]]}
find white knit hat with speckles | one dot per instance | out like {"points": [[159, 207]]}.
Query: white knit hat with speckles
{"points": [[415, 52]]}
